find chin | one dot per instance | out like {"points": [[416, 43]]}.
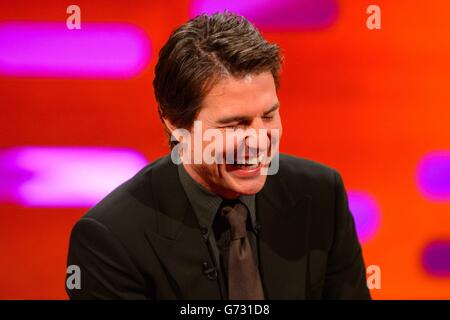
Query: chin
{"points": [[243, 186]]}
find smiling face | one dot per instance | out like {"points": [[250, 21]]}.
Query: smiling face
{"points": [[246, 103]]}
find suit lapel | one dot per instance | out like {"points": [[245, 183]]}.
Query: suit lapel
{"points": [[177, 241], [284, 217], [283, 240]]}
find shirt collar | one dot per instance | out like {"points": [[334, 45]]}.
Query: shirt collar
{"points": [[205, 203]]}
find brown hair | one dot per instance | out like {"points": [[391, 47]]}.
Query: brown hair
{"points": [[201, 52]]}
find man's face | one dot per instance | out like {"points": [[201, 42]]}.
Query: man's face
{"points": [[247, 103]]}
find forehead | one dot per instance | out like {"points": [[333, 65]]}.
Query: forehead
{"points": [[253, 92]]}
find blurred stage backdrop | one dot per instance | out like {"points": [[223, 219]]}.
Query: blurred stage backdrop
{"points": [[78, 117]]}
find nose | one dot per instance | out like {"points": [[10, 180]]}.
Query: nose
{"points": [[257, 138]]}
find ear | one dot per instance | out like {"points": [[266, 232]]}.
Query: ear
{"points": [[169, 126]]}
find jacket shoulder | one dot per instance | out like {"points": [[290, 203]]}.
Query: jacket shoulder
{"points": [[129, 203], [305, 170]]}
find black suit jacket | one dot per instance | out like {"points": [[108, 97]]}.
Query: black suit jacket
{"points": [[143, 240]]}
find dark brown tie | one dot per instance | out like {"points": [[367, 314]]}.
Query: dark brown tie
{"points": [[244, 281]]}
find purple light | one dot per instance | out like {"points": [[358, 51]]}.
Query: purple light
{"points": [[436, 258], [64, 177], [433, 176], [50, 49], [366, 214], [275, 14]]}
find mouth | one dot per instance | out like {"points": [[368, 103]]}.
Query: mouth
{"points": [[249, 166], [249, 162]]}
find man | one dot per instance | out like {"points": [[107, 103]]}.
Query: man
{"points": [[215, 229]]}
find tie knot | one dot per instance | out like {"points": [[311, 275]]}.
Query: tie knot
{"points": [[236, 214]]}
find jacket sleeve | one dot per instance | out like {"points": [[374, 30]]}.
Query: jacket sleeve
{"points": [[346, 273], [106, 270]]}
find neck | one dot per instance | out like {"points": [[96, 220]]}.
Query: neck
{"points": [[211, 187]]}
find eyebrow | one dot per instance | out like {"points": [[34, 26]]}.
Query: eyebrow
{"points": [[238, 118]]}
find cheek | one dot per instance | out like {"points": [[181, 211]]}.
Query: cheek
{"points": [[278, 127], [277, 123], [228, 145]]}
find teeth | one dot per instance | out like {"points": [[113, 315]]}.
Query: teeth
{"points": [[252, 161], [248, 166], [260, 158], [255, 160]]}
